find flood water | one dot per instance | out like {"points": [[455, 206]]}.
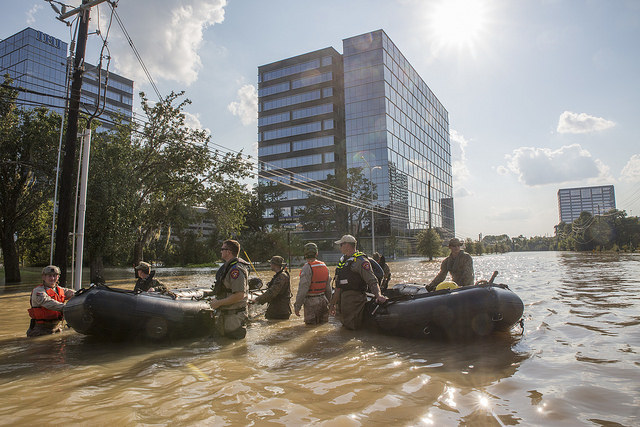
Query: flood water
{"points": [[577, 362]]}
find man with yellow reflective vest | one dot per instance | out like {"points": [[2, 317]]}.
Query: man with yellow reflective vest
{"points": [[314, 289], [353, 278]]}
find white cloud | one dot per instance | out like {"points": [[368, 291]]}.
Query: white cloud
{"points": [[192, 121], [631, 171], [540, 166], [582, 123], [166, 33], [247, 106], [31, 19], [459, 164]]}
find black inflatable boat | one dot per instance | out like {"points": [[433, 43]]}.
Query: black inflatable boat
{"points": [[462, 313], [119, 313]]}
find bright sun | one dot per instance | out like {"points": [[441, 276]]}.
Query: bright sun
{"points": [[457, 23]]}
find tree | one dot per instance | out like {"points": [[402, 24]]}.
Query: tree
{"points": [[147, 179], [28, 146], [429, 243]]}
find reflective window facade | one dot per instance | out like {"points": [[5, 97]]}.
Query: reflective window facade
{"points": [[595, 200], [382, 117], [300, 101], [398, 132], [37, 62]]}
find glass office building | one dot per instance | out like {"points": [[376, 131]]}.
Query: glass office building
{"points": [[37, 62], [595, 200], [394, 129]]}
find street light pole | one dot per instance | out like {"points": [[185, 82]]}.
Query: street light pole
{"points": [[373, 224]]}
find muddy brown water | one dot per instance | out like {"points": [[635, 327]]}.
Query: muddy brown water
{"points": [[577, 362]]}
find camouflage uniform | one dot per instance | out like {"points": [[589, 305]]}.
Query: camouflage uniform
{"points": [[232, 318], [460, 267], [353, 277], [143, 285], [316, 307], [278, 295]]}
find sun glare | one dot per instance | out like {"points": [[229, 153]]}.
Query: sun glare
{"points": [[457, 23]]}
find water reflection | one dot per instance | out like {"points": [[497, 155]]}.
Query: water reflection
{"points": [[577, 362]]}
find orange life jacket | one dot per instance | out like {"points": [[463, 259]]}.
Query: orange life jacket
{"points": [[319, 277], [41, 314]]}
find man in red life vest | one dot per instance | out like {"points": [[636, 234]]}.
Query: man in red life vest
{"points": [[47, 302], [314, 289]]}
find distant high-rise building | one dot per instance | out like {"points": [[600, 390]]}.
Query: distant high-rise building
{"points": [[324, 113], [37, 62], [595, 200]]}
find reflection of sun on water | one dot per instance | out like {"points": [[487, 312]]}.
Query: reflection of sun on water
{"points": [[457, 23]]}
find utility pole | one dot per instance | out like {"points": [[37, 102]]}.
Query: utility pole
{"points": [[69, 149]]}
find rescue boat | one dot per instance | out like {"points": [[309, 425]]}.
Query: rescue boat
{"points": [[450, 313], [119, 313]]}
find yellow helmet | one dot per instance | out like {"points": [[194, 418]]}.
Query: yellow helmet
{"points": [[446, 285]]}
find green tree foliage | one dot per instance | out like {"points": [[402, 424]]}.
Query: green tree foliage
{"points": [[28, 153], [146, 179], [35, 240], [429, 243], [611, 231]]}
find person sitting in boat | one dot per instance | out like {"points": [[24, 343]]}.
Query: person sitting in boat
{"points": [[231, 290], [380, 259], [314, 289], [353, 277], [458, 263], [278, 293], [47, 302], [146, 281]]}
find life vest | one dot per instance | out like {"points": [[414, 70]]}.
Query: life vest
{"points": [[349, 280], [319, 277], [41, 314], [219, 289]]}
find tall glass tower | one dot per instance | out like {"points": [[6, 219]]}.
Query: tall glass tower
{"points": [[37, 63], [383, 119]]}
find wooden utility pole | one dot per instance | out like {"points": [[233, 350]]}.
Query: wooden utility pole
{"points": [[69, 149]]}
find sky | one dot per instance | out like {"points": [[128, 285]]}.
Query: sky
{"points": [[541, 94]]}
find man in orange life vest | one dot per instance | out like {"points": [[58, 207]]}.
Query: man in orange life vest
{"points": [[47, 302], [314, 289]]}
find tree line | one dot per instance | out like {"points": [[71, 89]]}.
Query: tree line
{"points": [[613, 231]]}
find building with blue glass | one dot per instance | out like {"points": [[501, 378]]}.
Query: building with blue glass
{"points": [[596, 200], [37, 63], [368, 109]]}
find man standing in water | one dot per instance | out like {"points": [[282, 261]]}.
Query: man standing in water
{"points": [[353, 277], [380, 259], [47, 302], [278, 293], [314, 289], [231, 290], [458, 263]]}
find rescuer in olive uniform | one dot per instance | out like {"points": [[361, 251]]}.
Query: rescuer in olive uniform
{"points": [[146, 281], [47, 302], [314, 289], [231, 289], [458, 263], [353, 278], [278, 293], [380, 259]]}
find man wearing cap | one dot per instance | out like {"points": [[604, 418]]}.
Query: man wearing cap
{"points": [[458, 263], [146, 282], [47, 302], [314, 289], [384, 284], [278, 293], [353, 278], [231, 289]]}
